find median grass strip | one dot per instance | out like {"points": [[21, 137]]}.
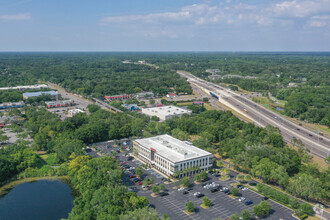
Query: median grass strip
{"points": [[205, 207]]}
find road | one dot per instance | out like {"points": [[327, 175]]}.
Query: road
{"points": [[261, 116]]}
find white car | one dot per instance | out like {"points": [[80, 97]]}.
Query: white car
{"points": [[241, 199], [196, 193], [244, 188], [180, 189]]}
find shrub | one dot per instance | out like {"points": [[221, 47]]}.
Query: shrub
{"points": [[190, 207], [206, 201], [235, 191], [305, 208]]}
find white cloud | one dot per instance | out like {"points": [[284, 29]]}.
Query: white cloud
{"points": [[13, 17], [284, 14]]}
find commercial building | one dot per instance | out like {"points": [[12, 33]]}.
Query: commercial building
{"points": [[62, 103], [117, 97], [41, 86], [9, 105], [55, 95], [171, 95], [73, 112], [143, 95], [166, 112], [170, 155]]}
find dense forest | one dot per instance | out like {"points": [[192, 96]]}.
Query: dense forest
{"points": [[88, 73], [99, 74]]}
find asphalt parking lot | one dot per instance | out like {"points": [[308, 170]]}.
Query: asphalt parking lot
{"points": [[173, 204]]}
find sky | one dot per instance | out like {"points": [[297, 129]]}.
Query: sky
{"points": [[164, 25]]}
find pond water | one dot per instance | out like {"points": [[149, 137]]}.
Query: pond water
{"points": [[43, 199]]}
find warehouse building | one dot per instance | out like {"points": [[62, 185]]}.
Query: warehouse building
{"points": [[55, 95], [170, 155], [58, 104], [166, 112], [73, 112], [41, 86], [9, 105]]}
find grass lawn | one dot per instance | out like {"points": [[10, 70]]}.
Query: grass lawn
{"points": [[205, 207], [184, 103], [188, 213], [224, 178]]}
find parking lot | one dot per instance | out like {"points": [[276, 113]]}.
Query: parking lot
{"points": [[173, 204]]}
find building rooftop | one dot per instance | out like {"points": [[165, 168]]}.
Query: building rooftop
{"points": [[169, 110], [172, 148], [25, 87], [33, 94]]}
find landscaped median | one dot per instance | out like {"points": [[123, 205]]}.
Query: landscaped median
{"points": [[303, 210]]}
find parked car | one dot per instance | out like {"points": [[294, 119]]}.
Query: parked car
{"points": [[180, 189], [239, 186], [132, 176], [244, 188], [139, 183], [214, 190], [200, 195], [264, 198], [249, 202], [241, 199], [163, 194], [185, 192]]}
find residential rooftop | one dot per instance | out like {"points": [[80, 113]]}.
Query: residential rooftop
{"points": [[173, 149]]}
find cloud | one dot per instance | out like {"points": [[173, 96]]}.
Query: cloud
{"points": [[240, 16], [15, 17]]}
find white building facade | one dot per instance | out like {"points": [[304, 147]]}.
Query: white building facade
{"points": [[170, 155]]}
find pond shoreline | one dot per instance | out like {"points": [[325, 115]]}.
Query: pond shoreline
{"points": [[5, 189]]}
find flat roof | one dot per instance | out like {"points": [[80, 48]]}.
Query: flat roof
{"points": [[32, 94], [173, 149], [25, 87], [168, 110]]}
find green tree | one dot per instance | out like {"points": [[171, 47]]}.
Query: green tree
{"points": [[306, 186], [234, 217], [93, 108], [198, 177], [166, 217], [234, 191], [206, 201], [225, 171], [240, 177], [220, 163], [245, 214], [248, 178], [155, 189], [294, 203], [139, 171], [185, 182], [203, 175], [140, 214], [152, 101], [305, 208], [262, 209], [162, 187], [190, 207]]}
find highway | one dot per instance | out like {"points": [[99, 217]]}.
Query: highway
{"points": [[319, 145]]}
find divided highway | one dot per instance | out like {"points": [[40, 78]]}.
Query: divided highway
{"points": [[318, 145]]}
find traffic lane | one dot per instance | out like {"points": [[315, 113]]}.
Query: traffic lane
{"points": [[265, 121], [285, 121]]}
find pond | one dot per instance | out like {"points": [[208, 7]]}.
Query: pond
{"points": [[43, 199]]}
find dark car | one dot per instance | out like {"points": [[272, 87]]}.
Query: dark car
{"points": [[249, 202], [310, 135], [130, 158], [199, 195], [163, 194], [264, 198], [88, 150], [239, 186], [185, 192], [216, 175], [214, 190]]}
